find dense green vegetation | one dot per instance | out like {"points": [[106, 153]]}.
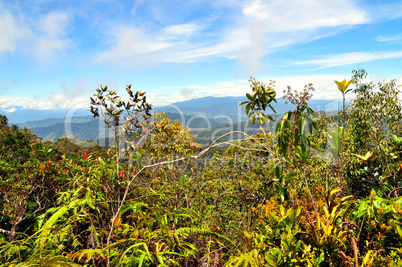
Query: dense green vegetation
{"points": [[318, 191]]}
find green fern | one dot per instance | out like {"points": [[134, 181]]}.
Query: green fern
{"points": [[134, 206], [140, 255], [48, 261], [199, 231], [244, 259], [89, 253], [45, 231], [13, 249]]}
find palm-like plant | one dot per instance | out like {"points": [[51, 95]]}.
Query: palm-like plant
{"points": [[343, 88]]}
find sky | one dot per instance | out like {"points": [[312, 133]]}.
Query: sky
{"points": [[55, 53]]}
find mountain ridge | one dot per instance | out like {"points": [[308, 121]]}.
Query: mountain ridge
{"points": [[198, 114]]}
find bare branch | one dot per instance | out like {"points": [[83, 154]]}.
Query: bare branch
{"points": [[241, 147], [5, 231]]}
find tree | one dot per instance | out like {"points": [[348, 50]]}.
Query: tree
{"points": [[375, 108], [27, 177], [373, 122], [255, 107], [120, 116], [168, 139], [291, 130]]}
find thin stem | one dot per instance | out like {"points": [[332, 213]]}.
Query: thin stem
{"points": [[340, 173]]}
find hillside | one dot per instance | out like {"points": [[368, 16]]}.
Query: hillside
{"points": [[207, 117], [328, 196]]}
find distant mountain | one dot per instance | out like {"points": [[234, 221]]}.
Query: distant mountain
{"points": [[208, 116], [209, 106], [90, 130], [228, 106], [53, 121], [18, 115]]}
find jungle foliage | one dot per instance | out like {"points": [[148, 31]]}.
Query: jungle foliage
{"points": [[319, 191]]}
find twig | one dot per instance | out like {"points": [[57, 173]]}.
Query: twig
{"points": [[241, 147], [5, 231], [393, 191]]}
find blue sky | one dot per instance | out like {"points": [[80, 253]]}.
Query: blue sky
{"points": [[55, 53]]}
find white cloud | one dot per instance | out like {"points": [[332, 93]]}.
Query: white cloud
{"points": [[349, 58], [246, 31], [389, 38], [250, 57], [26, 102], [137, 3], [187, 93], [43, 36], [227, 46], [50, 37], [132, 46], [10, 31], [11, 110], [56, 101], [54, 24], [385, 11], [275, 25], [325, 87], [294, 15], [183, 29], [76, 96]]}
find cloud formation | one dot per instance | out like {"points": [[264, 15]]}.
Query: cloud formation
{"points": [[295, 15], [248, 31], [389, 38], [10, 31], [349, 58], [155, 32], [43, 36], [70, 98], [50, 35], [187, 93]]}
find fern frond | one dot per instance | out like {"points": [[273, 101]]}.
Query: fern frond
{"points": [[199, 231], [133, 205], [11, 249], [138, 256], [244, 259], [48, 261], [45, 231], [88, 253]]}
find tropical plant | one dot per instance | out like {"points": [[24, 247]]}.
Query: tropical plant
{"points": [[291, 130], [343, 88]]}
